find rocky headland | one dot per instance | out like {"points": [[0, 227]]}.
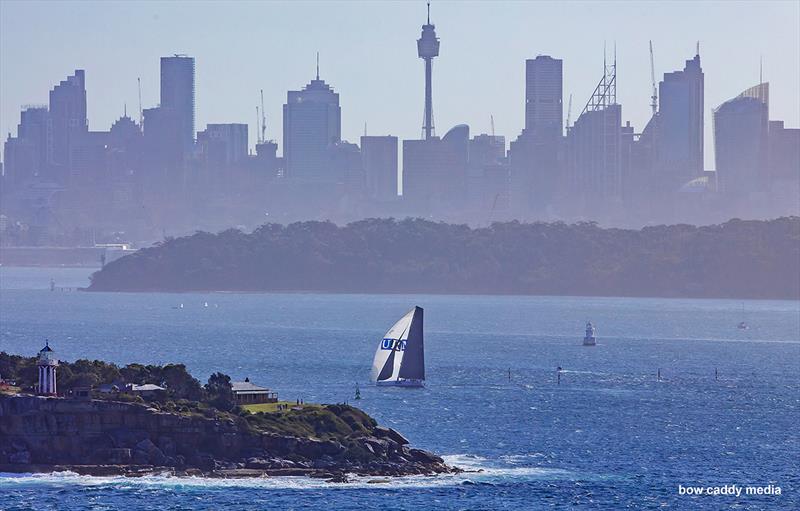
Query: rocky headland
{"points": [[106, 437]]}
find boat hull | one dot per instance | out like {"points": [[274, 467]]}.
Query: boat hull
{"points": [[400, 383], [590, 341]]}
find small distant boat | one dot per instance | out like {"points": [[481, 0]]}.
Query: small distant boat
{"points": [[743, 326], [400, 358], [205, 304], [590, 339]]}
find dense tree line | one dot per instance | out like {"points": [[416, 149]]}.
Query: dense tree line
{"points": [[737, 259], [178, 383]]}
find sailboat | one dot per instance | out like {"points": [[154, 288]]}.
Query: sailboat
{"points": [[743, 324], [400, 357]]}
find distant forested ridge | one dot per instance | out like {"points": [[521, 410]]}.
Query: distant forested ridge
{"points": [[738, 259]]}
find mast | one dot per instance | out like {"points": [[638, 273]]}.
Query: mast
{"points": [[264, 117]]}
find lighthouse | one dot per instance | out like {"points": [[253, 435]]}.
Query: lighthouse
{"points": [[47, 371]]}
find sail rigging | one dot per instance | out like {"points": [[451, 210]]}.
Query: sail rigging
{"points": [[400, 357]]}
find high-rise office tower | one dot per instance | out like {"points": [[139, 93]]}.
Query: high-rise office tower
{"points": [[741, 127], [312, 121], [427, 49], [434, 171], [487, 175], [27, 155], [223, 144], [680, 126], [163, 148], [379, 159], [594, 151], [68, 121], [543, 96], [534, 156], [177, 94]]}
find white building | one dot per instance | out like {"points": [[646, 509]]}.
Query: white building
{"points": [[47, 371]]}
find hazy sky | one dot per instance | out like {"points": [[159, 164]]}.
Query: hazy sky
{"points": [[368, 54]]}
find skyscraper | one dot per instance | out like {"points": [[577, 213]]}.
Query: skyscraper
{"points": [[177, 94], [163, 148], [223, 144], [379, 159], [312, 120], [680, 126], [534, 156], [68, 121], [595, 162], [427, 49], [434, 171], [741, 127], [544, 111], [28, 154], [487, 175], [594, 151]]}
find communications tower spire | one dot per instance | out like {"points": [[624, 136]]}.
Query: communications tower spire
{"points": [[427, 49]]}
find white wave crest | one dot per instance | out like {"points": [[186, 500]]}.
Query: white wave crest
{"points": [[477, 469]]}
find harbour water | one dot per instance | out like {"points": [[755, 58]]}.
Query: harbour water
{"points": [[610, 435]]}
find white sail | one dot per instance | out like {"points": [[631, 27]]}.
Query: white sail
{"points": [[387, 348], [400, 354]]}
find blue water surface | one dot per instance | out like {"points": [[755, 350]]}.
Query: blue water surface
{"points": [[610, 435]]}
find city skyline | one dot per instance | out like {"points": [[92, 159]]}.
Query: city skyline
{"points": [[391, 102]]}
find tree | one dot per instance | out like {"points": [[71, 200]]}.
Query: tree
{"points": [[220, 392]]}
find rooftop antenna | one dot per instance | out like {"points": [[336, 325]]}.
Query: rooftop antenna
{"points": [[491, 120], [697, 50], [761, 69], [258, 118], [365, 129], [124, 109], [139, 82], [264, 119], [604, 57], [317, 65], [429, 13], [654, 96]]}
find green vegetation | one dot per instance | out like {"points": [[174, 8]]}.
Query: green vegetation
{"points": [[186, 396], [274, 407], [738, 259], [179, 385], [318, 421]]}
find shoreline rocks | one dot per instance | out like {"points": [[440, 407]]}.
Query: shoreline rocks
{"points": [[110, 438]]}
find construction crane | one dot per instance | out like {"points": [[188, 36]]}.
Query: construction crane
{"points": [[569, 111], [139, 83], [654, 96], [263, 119]]}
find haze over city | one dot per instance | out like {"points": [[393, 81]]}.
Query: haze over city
{"points": [[368, 55], [420, 255], [650, 114]]}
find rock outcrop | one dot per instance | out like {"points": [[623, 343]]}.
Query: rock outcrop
{"points": [[108, 437]]}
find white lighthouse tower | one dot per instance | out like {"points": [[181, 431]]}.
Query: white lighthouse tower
{"points": [[47, 371]]}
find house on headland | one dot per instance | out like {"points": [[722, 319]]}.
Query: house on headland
{"points": [[245, 393]]}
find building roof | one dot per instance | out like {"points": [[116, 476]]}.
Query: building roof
{"points": [[147, 387], [245, 387]]}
